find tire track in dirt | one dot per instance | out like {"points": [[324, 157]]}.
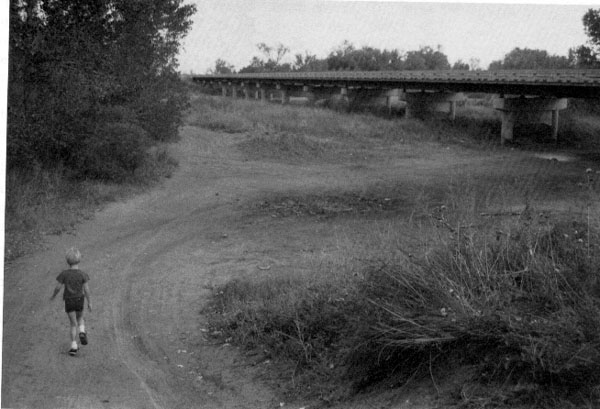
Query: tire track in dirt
{"points": [[116, 369]]}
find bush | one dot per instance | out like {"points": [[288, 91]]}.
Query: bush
{"points": [[160, 107], [294, 318], [113, 152]]}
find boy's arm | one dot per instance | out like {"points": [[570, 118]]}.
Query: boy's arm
{"points": [[86, 292], [56, 290]]}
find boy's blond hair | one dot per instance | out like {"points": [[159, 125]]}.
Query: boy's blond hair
{"points": [[73, 256]]}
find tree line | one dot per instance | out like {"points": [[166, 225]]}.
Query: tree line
{"points": [[350, 58], [93, 84], [344, 57]]}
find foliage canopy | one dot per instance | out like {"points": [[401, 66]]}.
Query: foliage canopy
{"points": [[90, 74], [346, 57]]}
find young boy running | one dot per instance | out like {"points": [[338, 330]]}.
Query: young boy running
{"points": [[76, 291]]}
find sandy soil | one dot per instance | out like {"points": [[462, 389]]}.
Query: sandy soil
{"points": [[152, 262]]}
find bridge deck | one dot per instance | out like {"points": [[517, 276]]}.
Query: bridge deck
{"points": [[558, 83]]}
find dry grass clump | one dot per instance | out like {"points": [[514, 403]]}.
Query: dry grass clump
{"points": [[580, 129], [523, 306], [41, 201], [520, 307], [300, 322], [289, 147]]}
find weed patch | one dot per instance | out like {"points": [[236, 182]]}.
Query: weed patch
{"points": [[329, 205], [289, 147], [41, 202], [301, 322], [268, 120], [518, 304]]}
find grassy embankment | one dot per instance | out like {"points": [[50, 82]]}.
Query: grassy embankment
{"points": [[510, 300], [41, 201]]}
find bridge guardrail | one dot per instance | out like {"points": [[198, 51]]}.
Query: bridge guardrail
{"points": [[559, 83]]}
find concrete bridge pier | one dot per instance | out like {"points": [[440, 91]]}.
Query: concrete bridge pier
{"points": [[419, 104], [316, 94], [520, 110], [339, 99], [370, 98], [335, 96], [285, 95], [273, 94]]}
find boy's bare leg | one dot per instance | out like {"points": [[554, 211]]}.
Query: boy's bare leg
{"points": [[73, 322], [81, 329], [80, 321]]}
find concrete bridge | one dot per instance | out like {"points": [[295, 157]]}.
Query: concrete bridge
{"points": [[521, 96]]}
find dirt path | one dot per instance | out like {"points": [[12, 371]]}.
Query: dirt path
{"points": [[152, 261]]}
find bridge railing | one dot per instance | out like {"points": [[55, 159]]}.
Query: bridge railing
{"points": [[534, 77]]}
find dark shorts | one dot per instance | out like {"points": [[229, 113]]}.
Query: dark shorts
{"points": [[74, 304]]}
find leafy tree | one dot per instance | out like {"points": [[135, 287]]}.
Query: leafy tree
{"points": [[583, 57], [460, 65], [591, 23], [309, 62], [222, 67], [341, 58], [347, 57], [426, 58], [475, 64], [526, 58], [273, 56], [81, 72], [587, 56]]}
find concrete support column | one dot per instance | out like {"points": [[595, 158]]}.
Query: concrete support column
{"points": [[285, 96], [223, 90], [528, 110], [555, 124], [344, 101], [376, 99], [263, 95], [307, 93], [246, 93], [316, 94], [234, 91], [421, 104], [508, 124]]}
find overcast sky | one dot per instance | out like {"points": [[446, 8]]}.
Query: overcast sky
{"points": [[230, 29]]}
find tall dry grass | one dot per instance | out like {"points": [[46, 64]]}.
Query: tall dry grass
{"points": [[477, 280], [515, 301], [267, 121], [43, 202]]}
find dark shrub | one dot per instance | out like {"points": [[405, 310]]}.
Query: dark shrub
{"points": [[113, 152]]}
